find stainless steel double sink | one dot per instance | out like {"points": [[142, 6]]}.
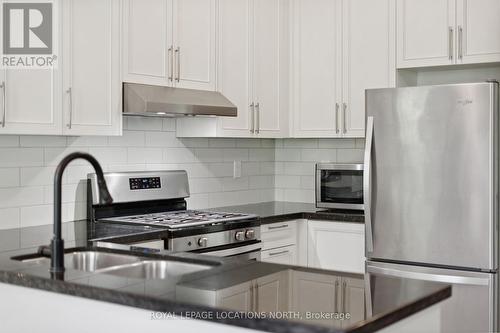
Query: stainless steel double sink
{"points": [[128, 265]]}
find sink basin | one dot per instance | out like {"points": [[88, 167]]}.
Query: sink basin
{"points": [[91, 261], [157, 269]]}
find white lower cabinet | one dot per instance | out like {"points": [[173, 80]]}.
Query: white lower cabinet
{"points": [[286, 255], [337, 246], [268, 293], [321, 293]]}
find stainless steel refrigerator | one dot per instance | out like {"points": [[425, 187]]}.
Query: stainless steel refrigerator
{"points": [[431, 194]]}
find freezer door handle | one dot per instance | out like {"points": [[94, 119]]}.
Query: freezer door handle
{"points": [[367, 185], [469, 280]]}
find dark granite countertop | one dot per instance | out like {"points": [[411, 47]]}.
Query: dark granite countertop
{"points": [[277, 211], [390, 299]]}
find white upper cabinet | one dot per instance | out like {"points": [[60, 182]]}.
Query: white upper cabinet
{"points": [[170, 43], [316, 92], [194, 34], [91, 67], [425, 32], [368, 59], [147, 41], [447, 32], [266, 55], [30, 99], [339, 49], [478, 27], [252, 60]]}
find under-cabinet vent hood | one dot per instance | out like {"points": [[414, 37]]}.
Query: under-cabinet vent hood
{"points": [[158, 101]]}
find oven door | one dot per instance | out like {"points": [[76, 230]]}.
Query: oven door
{"points": [[339, 186], [241, 251]]}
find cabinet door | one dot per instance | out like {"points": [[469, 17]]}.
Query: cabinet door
{"points": [[368, 57], [283, 255], [92, 89], [425, 33], [316, 63], [236, 298], [272, 293], [194, 34], [234, 70], [147, 42], [266, 54], [353, 300], [478, 31], [32, 101], [336, 245], [32, 98], [316, 293]]}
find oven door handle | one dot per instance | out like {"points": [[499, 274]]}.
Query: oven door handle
{"points": [[235, 250]]}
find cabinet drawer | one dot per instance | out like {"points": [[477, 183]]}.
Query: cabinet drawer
{"points": [[279, 234], [283, 255]]}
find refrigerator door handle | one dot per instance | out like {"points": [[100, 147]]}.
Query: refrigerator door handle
{"points": [[367, 183], [444, 278]]}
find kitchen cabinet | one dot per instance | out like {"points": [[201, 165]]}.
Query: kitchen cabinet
{"points": [[252, 60], [478, 31], [447, 32], [286, 255], [170, 43], [337, 246], [321, 293], [30, 99], [266, 293], [91, 81], [339, 49]]}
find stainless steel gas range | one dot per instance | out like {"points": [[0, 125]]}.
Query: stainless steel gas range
{"points": [[156, 200]]}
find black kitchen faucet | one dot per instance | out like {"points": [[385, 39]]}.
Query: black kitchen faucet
{"points": [[57, 243]]}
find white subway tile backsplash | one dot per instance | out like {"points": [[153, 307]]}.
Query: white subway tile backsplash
{"points": [[319, 155], [350, 155], [9, 141], [21, 157], [9, 218], [281, 169], [9, 177], [143, 124], [128, 139], [42, 141]]}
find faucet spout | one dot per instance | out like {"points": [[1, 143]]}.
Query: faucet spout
{"points": [[57, 243]]}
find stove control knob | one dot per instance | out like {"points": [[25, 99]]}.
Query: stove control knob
{"points": [[239, 236], [203, 242], [250, 234]]}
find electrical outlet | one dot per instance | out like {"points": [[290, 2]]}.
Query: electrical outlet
{"points": [[237, 169]]}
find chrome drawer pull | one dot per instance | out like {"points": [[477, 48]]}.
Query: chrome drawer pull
{"points": [[278, 227], [278, 253]]}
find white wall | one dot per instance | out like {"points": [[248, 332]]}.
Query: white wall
{"points": [[27, 165], [295, 160]]}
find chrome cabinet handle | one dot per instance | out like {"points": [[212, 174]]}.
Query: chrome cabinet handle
{"points": [[178, 58], [4, 103], [70, 96], [271, 254], [344, 109], [170, 63], [278, 227], [337, 118], [344, 291], [367, 184], [450, 43], [460, 42], [336, 309], [257, 110], [252, 117]]}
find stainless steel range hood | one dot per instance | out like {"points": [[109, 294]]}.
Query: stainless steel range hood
{"points": [[148, 100]]}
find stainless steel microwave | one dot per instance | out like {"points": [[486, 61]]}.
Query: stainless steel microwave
{"points": [[339, 186]]}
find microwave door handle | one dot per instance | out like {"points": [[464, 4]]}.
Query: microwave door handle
{"points": [[367, 185]]}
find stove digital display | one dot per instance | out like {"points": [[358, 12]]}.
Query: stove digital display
{"points": [[144, 183]]}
